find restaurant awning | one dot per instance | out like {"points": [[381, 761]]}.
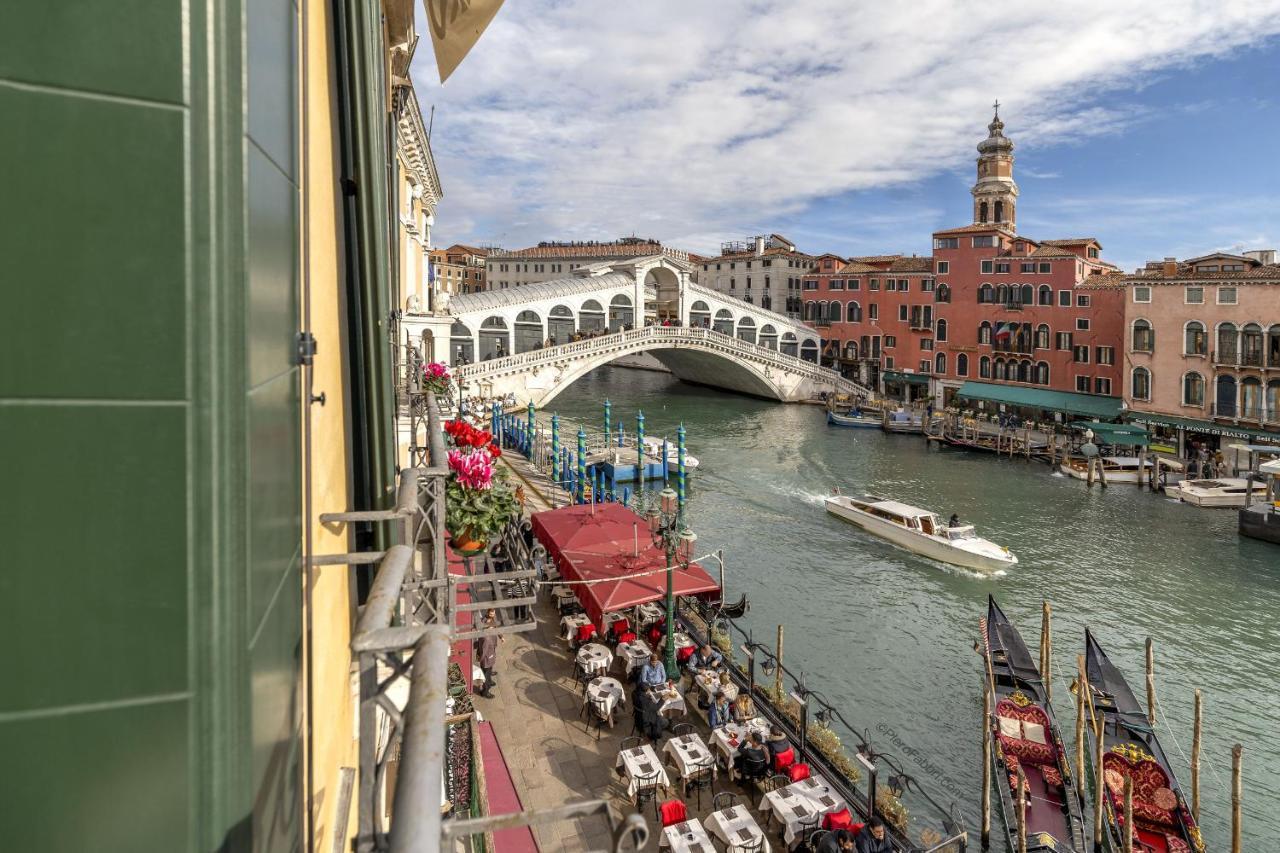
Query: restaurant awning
{"points": [[903, 376], [1203, 427], [1114, 434], [609, 546], [1067, 402]]}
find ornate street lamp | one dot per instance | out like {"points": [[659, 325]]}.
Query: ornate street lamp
{"points": [[666, 525]]}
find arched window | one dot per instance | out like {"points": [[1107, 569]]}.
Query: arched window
{"points": [[766, 302], [1273, 400], [1027, 294], [495, 341], [1193, 389], [462, 343], [854, 312], [982, 211], [591, 316], [1024, 371], [1224, 397], [699, 314], [789, 345], [1195, 339], [999, 211], [986, 294], [984, 332], [1042, 373], [620, 313], [1273, 346], [942, 293], [1144, 337], [1045, 295], [1251, 345], [1140, 384], [1227, 349], [747, 329], [834, 312], [984, 367], [1251, 398], [940, 363], [1022, 339], [1002, 295], [809, 350], [768, 336], [810, 311], [1002, 371], [528, 331], [723, 322], [941, 332], [962, 365], [1042, 336]]}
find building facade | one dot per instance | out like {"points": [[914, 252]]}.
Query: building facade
{"points": [[470, 261], [765, 271], [1202, 347], [553, 260], [417, 194]]}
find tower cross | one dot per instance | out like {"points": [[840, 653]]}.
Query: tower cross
{"points": [[996, 105]]}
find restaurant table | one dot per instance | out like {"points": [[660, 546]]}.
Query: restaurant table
{"points": [[794, 811], [570, 624], [820, 794], [641, 761], [683, 641], [690, 752], [709, 682], [671, 700], [594, 657], [609, 690], [721, 738], [634, 653], [737, 828], [647, 614], [562, 594], [687, 837]]}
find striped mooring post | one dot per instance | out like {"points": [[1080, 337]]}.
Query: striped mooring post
{"points": [[532, 426], [495, 422], [666, 465], [639, 451], [555, 448], [582, 467], [608, 421], [680, 468], [621, 434]]}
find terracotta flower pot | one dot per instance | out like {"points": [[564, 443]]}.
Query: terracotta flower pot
{"points": [[463, 543]]}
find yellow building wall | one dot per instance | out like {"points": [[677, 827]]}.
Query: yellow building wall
{"points": [[334, 743]]}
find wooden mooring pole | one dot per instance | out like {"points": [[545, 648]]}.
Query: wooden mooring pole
{"points": [[1151, 683], [1099, 784], [1023, 792], [1195, 760], [986, 766], [1127, 838], [1237, 795], [1142, 465], [1082, 690], [1046, 650], [777, 678]]}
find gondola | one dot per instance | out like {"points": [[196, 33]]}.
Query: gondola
{"points": [[1024, 734], [1161, 817], [736, 610], [858, 421]]}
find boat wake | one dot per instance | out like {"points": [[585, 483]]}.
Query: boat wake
{"points": [[1058, 474]]}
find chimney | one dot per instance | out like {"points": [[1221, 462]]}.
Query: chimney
{"points": [[760, 245], [1169, 267]]}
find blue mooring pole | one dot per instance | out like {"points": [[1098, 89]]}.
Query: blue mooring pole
{"points": [[493, 423], [626, 495], [555, 448], [639, 451], [582, 467], [608, 421], [680, 469], [666, 465], [621, 433]]}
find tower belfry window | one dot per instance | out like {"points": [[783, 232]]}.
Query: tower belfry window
{"points": [[999, 211], [982, 212]]}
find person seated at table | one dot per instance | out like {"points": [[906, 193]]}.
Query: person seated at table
{"points": [[873, 838], [718, 714], [653, 673], [743, 709], [752, 760], [726, 684], [836, 842], [776, 742], [648, 713], [704, 658]]}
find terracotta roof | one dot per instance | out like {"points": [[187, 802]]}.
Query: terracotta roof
{"points": [[1072, 241], [875, 259], [1267, 273], [1213, 255], [460, 248], [1106, 281], [967, 228], [1051, 251], [857, 267], [585, 250], [914, 264]]}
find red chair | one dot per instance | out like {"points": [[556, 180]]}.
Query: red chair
{"points": [[620, 627], [586, 633], [798, 772], [838, 820], [856, 828], [654, 635], [684, 654], [627, 637], [673, 812], [784, 759]]}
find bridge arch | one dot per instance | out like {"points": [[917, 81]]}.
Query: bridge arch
{"points": [[790, 345], [747, 329], [591, 316], [621, 313], [724, 322], [809, 350], [768, 336], [462, 343], [700, 315], [529, 331], [495, 337], [561, 324]]}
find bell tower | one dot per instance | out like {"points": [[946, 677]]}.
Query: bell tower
{"points": [[995, 194]]}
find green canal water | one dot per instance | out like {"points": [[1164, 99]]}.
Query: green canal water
{"points": [[888, 636]]}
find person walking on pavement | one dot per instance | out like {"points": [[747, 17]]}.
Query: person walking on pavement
{"points": [[489, 652]]}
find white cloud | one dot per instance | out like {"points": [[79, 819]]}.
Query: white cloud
{"points": [[692, 121]]}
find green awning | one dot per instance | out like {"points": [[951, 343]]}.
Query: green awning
{"points": [[1202, 426], [1067, 402], [902, 376], [1124, 434]]}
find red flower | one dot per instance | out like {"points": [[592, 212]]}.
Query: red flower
{"points": [[495, 451]]}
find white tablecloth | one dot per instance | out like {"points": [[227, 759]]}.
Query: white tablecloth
{"points": [[672, 702], [687, 837], [634, 653], [641, 761], [647, 614], [736, 731], [709, 682], [593, 657], [735, 826], [607, 689], [818, 791], [562, 594], [569, 625], [690, 752], [793, 810]]}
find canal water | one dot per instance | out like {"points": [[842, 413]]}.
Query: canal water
{"points": [[888, 636]]}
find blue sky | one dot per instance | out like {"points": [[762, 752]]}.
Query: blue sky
{"points": [[851, 128]]}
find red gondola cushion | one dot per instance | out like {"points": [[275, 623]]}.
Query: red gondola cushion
{"points": [[1028, 752], [798, 772], [673, 811], [1051, 774]]}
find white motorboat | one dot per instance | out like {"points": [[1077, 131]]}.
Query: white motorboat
{"points": [[922, 532], [857, 420], [1224, 491], [653, 447]]}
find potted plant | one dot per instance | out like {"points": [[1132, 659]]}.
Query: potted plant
{"points": [[479, 499], [436, 378]]}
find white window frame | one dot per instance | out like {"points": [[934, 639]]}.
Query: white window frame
{"points": [[1141, 287], [1235, 295], [1084, 321], [1186, 295]]}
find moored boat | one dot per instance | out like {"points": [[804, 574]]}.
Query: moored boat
{"points": [[922, 532], [1220, 492], [1122, 469], [1162, 819], [653, 447], [1025, 738], [1261, 520], [856, 420]]}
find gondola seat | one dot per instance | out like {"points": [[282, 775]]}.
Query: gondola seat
{"points": [[1148, 778], [1031, 725]]}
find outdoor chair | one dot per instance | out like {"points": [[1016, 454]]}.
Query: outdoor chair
{"points": [[755, 845], [699, 778], [681, 729], [601, 714], [808, 825], [722, 800], [647, 790], [773, 783], [798, 772], [813, 839], [784, 759]]}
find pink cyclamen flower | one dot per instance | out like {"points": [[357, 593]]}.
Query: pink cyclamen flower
{"points": [[436, 370], [473, 468]]}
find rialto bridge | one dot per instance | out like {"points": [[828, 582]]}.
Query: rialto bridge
{"points": [[533, 341]]}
